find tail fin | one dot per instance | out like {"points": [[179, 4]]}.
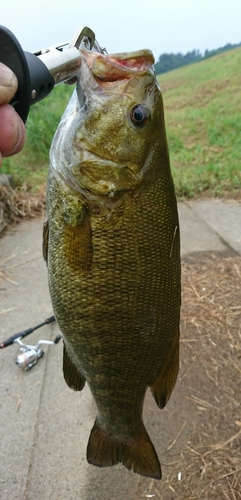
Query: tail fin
{"points": [[137, 453]]}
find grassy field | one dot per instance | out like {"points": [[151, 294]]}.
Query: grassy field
{"points": [[203, 119]]}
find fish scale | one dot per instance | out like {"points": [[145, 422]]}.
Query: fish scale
{"points": [[115, 280], [114, 273]]}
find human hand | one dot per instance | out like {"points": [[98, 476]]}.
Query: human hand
{"points": [[12, 129]]}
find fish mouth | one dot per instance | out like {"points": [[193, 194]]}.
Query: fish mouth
{"points": [[113, 67]]}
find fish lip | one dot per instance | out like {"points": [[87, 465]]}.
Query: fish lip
{"points": [[118, 66]]}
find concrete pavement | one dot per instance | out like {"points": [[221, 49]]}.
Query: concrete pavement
{"points": [[44, 425]]}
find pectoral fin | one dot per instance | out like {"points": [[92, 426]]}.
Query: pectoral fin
{"points": [[78, 243], [45, 241], [72, 375], [164, 384]]}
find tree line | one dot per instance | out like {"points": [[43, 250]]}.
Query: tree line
{"points": [[167, 62]]}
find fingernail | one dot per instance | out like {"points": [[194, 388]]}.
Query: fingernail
{"points": [[21, 137], [7, 77]]}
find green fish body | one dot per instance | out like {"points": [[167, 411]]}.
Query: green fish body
{"points": [[113, 252]]}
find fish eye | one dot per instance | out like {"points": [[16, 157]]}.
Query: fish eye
{"points": [[139, 115]]}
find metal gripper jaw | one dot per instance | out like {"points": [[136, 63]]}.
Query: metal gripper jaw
{"points": [[39, 72]]}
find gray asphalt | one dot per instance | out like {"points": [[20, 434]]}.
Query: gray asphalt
{"points": [[44, 425]]}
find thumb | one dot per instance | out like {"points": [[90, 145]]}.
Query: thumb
{"points": [[8, 84]]}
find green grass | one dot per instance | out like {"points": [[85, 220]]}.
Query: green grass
{"points": [[30, 166], [202, 105], [203, 120]]}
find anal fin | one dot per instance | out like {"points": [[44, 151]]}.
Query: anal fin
{"points": [[72, 375], [164, 384]]}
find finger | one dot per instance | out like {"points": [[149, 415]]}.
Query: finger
{"points": [[8, 84], [12, 131]]}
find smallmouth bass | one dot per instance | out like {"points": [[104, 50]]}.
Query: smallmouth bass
{"points": [[112, 249]]}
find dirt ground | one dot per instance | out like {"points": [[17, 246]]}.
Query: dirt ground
{"points": [[207, 446]]}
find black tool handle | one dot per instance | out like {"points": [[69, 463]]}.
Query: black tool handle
{"points": [[34, 79]]}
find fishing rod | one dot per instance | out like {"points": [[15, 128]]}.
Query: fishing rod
{"points": [[24, 333], [29, 354]]}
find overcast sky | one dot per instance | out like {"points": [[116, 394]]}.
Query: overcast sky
{"points": [[126, 25]]}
